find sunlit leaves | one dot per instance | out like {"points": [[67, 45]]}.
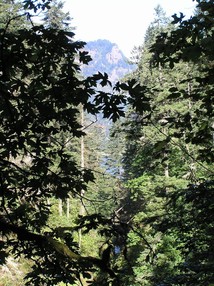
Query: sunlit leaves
{"points": [[168, 163]]}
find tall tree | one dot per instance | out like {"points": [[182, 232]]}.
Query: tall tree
{"points": [[169, 143], [11, 14], [55, 17]]}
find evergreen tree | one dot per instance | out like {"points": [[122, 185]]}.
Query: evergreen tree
{"points": [[11, 15], [165, 137], [161, 233], [55, 17]]}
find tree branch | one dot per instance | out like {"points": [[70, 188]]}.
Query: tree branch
{"points": [[59, 247]]}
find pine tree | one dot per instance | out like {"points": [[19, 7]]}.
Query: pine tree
{"points": [[11, 15], [56, 18], [163, 154]]}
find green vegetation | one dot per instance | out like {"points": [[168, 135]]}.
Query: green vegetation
{"points": [[84, 205], [168, 156]]}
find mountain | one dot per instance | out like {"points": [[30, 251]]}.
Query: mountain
{"points": [[106, 57]]}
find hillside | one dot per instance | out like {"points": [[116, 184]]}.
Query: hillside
{"points": [[106, 57]]}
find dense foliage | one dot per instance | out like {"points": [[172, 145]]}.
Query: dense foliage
{"points": [[148, 219], [42, 95], [168, 157]]}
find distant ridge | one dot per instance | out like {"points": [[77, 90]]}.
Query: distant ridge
{"points": [[106, 57]]}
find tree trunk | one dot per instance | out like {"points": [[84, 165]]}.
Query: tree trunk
{"points": [[68, 207], [82, 163], [60, 207]]}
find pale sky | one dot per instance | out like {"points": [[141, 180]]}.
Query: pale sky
{"points": [[123, 22]]}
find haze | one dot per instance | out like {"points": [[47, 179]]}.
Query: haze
{"points": [[123, 22]]}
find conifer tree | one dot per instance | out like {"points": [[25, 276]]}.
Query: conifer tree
{"points": [[163, 154], [56, 18]]}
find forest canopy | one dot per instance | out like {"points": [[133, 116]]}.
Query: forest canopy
{"points": [[147, 221]]}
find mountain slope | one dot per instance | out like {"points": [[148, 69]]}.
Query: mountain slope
{"points": [[106, 57]]}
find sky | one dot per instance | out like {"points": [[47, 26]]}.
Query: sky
{"points": [[123, 22]]}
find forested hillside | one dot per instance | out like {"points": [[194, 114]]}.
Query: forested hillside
{"points": [[129, 202], [107, 57], [168, 155]]}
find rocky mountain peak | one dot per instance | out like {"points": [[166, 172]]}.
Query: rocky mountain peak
{"points": [[106, 57], [114, 56]]}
